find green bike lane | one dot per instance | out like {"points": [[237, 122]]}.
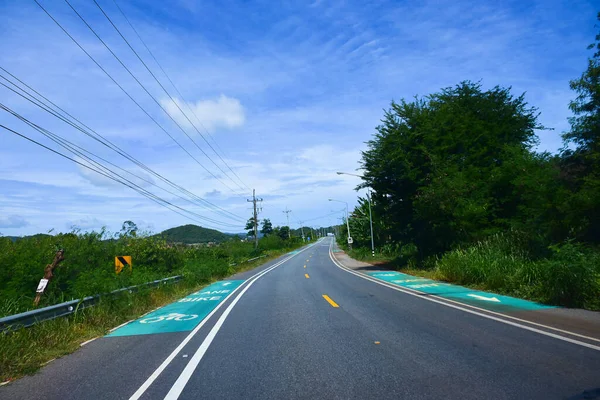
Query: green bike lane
{"points": [[183, 315], [487, 300]]}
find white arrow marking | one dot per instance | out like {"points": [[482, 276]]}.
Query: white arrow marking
{"points": [[227, 283], [478, 297]]}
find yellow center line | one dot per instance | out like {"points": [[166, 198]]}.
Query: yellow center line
{"points": [[306, 276], [331, 302], [305, 266]]}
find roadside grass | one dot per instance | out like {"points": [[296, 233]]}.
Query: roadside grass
{"points": [[26, 350]]}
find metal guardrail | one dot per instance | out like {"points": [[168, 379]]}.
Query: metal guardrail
{"points": [[29, 318], [252, 259]]}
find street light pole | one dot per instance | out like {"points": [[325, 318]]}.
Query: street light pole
{"points": [[347, 222], [370, 215], [371, 224]]}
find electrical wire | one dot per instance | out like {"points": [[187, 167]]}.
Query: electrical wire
{"points": [[94, 135], [173, 100], [107, 171], [130, 97], [149, 94], [164, 203], [178, 92]]}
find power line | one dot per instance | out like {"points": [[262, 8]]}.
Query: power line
{"points": [[128, 95], [178, 92], [78, 150], [94, 135], [72, 148], [149, 94], [164, 203], [323, 216], [222, 212], [173, 100]]}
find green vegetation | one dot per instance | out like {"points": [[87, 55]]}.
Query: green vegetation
{"points": [[190, 234], [88, 269], [459, 190]]}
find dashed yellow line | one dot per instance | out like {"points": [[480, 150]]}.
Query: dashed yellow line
{"points": [[331, 302], [306, 276], [305, 266]]}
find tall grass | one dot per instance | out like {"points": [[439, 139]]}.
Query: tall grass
{"points": [[26, 350], [88, 268], [569, 275]]}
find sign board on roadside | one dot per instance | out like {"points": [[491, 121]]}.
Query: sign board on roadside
{"points": [[350, 240], [122, 262], [42, 285]]}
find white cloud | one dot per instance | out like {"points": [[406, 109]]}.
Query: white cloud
{"points": [[13, 221], [223, 112]]}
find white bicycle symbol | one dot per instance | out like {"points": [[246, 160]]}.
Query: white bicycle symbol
{"points": [[169, 317]]}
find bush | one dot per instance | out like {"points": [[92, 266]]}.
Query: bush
{"points": [[571, 277], [491, 262]]}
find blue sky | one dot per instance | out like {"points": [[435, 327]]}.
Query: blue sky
{"points": [[289, 91]]}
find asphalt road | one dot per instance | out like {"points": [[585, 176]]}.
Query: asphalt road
{"points": [[301, 327]]}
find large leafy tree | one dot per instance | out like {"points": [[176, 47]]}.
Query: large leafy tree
{"points": [[267, 227], [435, 165], [581, 165], [585, 124], [250, 224], [284, 232]]}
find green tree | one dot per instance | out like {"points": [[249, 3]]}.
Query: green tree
{"points": [[434, 165], [581, 166], [129, 229], [585, 124], [250, 226], [267, 227], [284, 232]]}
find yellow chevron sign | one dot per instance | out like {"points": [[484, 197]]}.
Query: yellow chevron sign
{"points": [[122, 262]]}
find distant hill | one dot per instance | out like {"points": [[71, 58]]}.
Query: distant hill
{"points": [[189, 234], [37, 235]]}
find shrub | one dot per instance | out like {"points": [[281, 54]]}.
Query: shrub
{"points": [[491, 262], [571, 277]]}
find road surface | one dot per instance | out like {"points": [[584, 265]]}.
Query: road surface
{"points": [[305, 327]]}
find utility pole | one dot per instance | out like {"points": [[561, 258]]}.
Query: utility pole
{"points": [[254, 201], [287, 214]]}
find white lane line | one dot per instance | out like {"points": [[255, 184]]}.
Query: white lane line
{"points": [[462, 308], [120, 326], [88, 341], [185, 376], [142, 389]]}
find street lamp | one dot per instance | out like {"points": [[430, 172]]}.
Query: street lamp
{"points": [[370, 215], [347, 222]]}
